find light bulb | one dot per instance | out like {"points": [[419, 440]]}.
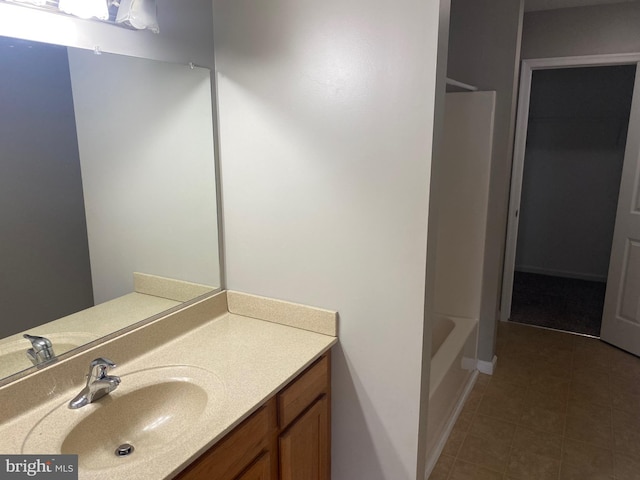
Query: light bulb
{"points": [[139, 14]]}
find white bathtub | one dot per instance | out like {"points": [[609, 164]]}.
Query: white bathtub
{"points": [[453, 364]]}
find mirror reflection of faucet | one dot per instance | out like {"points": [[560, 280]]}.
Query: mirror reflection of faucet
{"points": [[41, 350], [98, 384]]}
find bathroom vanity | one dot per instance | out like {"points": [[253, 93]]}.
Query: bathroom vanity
{"points": [[228, 386], [288, 438], [232, 387]]}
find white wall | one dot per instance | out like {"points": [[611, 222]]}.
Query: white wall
{"points": [[578, 120], [44, 256], [146, 153], [326, 113], [484, 50], [582, 31]]}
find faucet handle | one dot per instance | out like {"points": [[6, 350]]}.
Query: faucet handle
{"points": [[38, 343], [98, 368], [41, 349]]}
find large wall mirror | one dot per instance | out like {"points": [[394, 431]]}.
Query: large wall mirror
{"points": [[108, 210]]}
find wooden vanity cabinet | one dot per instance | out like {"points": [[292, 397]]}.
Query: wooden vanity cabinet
{"points": [[304, 422], [233, 456], [304, 447], [261, 469], [288, 438]]}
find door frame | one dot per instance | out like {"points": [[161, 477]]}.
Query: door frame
{"points": [[517, 168]]}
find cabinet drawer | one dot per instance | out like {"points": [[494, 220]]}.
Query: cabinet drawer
{"points": [[295, 398], [233, 453]]}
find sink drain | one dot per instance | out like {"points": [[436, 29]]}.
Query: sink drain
{"points": [[124, 450]]}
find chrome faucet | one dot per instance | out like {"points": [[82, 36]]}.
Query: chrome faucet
{"points": [[98, 385], [41, 350]]}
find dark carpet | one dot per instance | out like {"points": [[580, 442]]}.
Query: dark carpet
{"points": [[560, 303]]}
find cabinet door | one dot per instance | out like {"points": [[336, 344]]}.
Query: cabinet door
{"points": [[260, 470], [235, 452], [304, 446], [303, 391]]}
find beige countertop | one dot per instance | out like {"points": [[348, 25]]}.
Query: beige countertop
{"points": [[246, 361]]}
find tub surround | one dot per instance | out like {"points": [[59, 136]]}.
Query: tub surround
{"points": [[250, 358]]}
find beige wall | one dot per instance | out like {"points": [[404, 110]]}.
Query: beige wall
{"points": [[582, 31], [484, 50], [326, 114]]}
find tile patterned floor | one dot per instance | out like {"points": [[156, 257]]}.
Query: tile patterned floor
{"points": [[558, 407]]}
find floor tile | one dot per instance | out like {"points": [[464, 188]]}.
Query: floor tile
{"points": [[455, 440], [464, 420], [525, 465], [627, 443], [468, 471], [473, 401], [502, 406], [581, 472], [593, 429], [588, 458], [503, 386], [590, 376], [557, 368], [628, 402], [623, 419], [491, 454], [559, 407], [598, 351], [519, 374], [481, 383], [549, 396], [625, 365], [626, 433], [492, 429], [626, 468], [540, 443], [591, 360], [595, 393], [543, 419], [443, 468], [621, 383]]}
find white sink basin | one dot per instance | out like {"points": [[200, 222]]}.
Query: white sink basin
{"points": [[153, 410]]}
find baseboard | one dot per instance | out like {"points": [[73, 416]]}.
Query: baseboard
{"points": [[487, 367], [444, 436], [561, 273]]}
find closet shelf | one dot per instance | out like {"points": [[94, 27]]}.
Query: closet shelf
{"points": [[456, 86]]}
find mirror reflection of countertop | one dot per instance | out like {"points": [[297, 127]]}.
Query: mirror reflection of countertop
{"points": [[152, 296], [203, 370]]}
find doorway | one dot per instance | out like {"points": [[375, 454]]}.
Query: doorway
{"points": [[573, 157]]}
